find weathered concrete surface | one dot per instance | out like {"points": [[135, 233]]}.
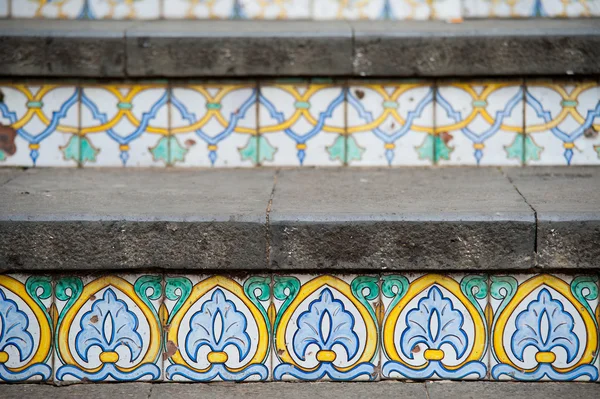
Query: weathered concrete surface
{"points": [[239, 48], [403, 219], [95, 391], [44, 48], [511, 390], [567, 203], [131, 219], [476, 48]]}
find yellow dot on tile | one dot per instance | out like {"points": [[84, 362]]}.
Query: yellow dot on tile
{"points": [[34, 146], [301, 146], [109, 357], [3, 357], [433, 354], [389, 146], [545, 357], [217, 357], [569, 145], [326, 356], [212, 148], [124, 147]]}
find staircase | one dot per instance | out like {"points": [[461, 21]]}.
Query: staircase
{"points": [[191, 193]]}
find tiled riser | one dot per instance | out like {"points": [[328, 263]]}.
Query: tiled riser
{"points": [[309, 327], [294, 9], [325, 123]]}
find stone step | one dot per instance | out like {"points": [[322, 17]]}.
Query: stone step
{"points": [[211, 49], [428, 390], [450, 219]]}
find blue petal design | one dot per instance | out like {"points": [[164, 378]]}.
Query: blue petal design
{"points": [[545, 369], [434, 309], [435, 368], [116, 325], [530, 332], [311, 326], [325, 369], [218, 370], [13, 328], [202, 327], [40, 369], [109, 370]]}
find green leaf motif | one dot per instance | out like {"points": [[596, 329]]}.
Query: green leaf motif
{"points": [[257, 149], [177, 289], [79, 149], [394, 286], [261, 284], [168, 150], [502, 288], [285, 289], [589, 284], [532, 150], [358, 287], [516, 149], [596, 148], [2, 156], [442, 150], [474, 288], [67, 289], [33, 284], [425, 150], [337, 149]]}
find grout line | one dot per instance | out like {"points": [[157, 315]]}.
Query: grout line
{"points": [[150, 391], [426, 390], [268, 222]]}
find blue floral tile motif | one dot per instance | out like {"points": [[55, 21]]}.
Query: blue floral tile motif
{"points": [[218, 328], [544, 328], [86, 9], [531, 8], [434, 327], [25, 328], [325, 328], [108, 328]]}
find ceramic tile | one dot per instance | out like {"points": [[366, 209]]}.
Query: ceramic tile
{"points": [[86, 9], [25, 328], [125, 125], [214, 125], [479, 123], [302, 123], [325, 328], [390, 123], [434, 326], [562, 122], [202, 9], [543, 328], [217, 328], [39, 125], [353, 9], [108, 328], [531, 8], [275, 9]]}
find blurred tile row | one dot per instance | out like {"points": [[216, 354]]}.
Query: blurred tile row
{"points": [[293, 123], [298, 327], [296, 9]]}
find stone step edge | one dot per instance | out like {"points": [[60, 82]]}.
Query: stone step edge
{"points": [[235, 49]]}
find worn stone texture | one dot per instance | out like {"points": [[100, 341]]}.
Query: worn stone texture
{"points": [[567, 204], [62, 49], [476, 48], [239, 48], [511, 390], [404, 219], [130, 219]]}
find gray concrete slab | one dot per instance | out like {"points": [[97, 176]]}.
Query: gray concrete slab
{"points": [[90, 219], [45, 48], [399, 219], [95, 391], [8, 174], [239, 48], [476, 48], [567, 204], [511, 390]]}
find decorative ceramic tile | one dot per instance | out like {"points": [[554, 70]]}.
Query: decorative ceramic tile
{"points": [[108, 328], [353, 9], [125, 125], [544, 328], [390, 124], [39, 125], [217, 328], [562, 122], [25, 328], [302, 123], [275, 9], [530, 8], [202, 9], [84, 9], [214, 125], [479, 123], [434, 326], [325, 328]]}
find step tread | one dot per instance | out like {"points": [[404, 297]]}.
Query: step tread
{"points": [[309, 219]]}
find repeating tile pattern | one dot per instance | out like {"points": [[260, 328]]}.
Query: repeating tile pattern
{"points": [[202, 9], [544, 327], [275, 9], [25, 328], [530, 8], [390, 123], [479, 123], [108, 328], [217, 328], [125, 125], [214, 125], [386, 9], [302, 123], [562, 123], [87, 9], [39, 125], [434, 327], [325, 328]]}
